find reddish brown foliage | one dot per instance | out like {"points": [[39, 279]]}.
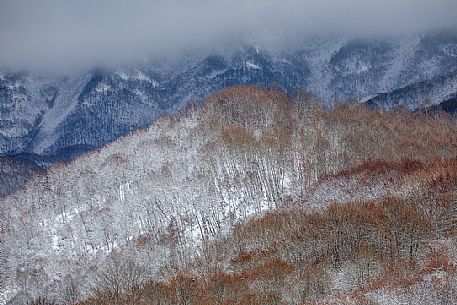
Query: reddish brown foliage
{"points": [[290, 251]]}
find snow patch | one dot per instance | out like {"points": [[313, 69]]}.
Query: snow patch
{"points": [[102, 88], [6, 295], [365, 99], [123, 76], [450, 49], [66, 101], [216, 73], [142, 77], [123, 189], [14, 131], [251, 65]]}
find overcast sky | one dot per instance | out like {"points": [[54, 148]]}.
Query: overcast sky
{"points": [[50, 32]]}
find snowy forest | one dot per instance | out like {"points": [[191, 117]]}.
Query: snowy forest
{"points": [[252, 197]]}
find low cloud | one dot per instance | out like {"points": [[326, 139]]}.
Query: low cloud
{"points": [[84, 32]]}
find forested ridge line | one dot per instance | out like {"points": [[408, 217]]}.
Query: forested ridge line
{"points": [[251, 198]]}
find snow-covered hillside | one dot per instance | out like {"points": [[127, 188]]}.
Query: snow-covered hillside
{"points": [[422, 94], [167, 183], [160, 195]]}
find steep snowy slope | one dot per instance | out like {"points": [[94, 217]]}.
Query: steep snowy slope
{"points": [[419, 95]]}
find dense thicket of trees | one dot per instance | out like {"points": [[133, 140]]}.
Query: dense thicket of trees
{"points": [[250, 199], [290, 256], [14, 174]]}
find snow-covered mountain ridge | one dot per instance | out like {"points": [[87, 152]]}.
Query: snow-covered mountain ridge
{"points": [[42, 113], [424, 94]]}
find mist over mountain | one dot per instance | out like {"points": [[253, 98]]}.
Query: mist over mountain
{"points": [[75, 76], [46, 112], [62, 35]]}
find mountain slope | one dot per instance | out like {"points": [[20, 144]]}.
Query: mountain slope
{"points": [[14, 174], [419, 95], [44, 113], [158, 197], [355, 249]]}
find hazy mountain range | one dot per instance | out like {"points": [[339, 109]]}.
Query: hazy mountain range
{"points": [[63, 115]]}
